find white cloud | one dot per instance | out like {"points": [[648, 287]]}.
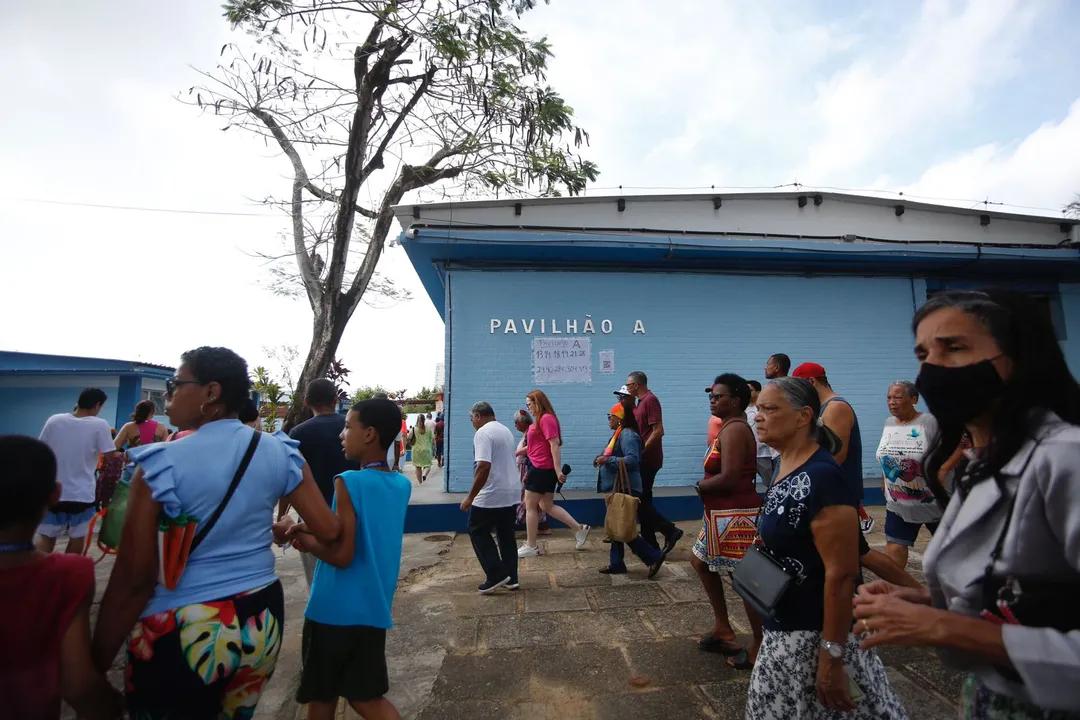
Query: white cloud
{"points": [[948, 56], [1041, 171], [676, 94]]}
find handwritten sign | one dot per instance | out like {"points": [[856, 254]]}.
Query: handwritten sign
{"points": [[561, 360], [607, 362]]}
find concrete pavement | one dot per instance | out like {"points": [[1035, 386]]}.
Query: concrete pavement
{"points": [[570, 643], [575, 643]]}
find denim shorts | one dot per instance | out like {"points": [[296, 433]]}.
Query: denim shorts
{"points": [[901, 532]]}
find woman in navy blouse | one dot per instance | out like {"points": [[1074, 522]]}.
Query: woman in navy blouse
{"points": [[810, 664]]}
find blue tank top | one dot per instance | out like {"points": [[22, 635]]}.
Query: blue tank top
{"points": [[852, 465]]}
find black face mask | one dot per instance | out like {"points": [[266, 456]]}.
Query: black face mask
{"points": [[957, 395]]}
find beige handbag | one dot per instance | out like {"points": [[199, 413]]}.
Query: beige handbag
{"points": [[620, 522]]}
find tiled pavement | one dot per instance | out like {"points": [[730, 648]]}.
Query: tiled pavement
{"points": [[576, 644], [570, 644]]}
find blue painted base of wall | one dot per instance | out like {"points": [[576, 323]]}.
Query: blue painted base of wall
{"points": [[447, 517]]}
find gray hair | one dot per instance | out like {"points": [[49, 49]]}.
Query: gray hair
{"points": [[909, 388], [482, 409], [801, 393], [523, 417]]}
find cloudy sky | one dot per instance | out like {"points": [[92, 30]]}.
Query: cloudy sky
{"points": [[951, 100]]}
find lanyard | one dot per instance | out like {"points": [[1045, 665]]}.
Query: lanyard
{"points": [[16, 547], [382, 464]]}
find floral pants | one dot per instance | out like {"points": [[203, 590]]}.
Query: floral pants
{"points": [[206, 660]]}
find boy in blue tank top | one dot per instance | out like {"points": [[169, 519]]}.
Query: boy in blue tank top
{"points": [[349, 608]]}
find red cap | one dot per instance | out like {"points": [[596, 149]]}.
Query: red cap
{"points": [[806, 371]]}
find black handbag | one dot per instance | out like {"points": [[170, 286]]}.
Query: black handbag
{"points": [[761, 579]]}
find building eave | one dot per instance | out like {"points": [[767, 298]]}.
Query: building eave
{"points": [[20, 363], [435, 250], [408, 214]]}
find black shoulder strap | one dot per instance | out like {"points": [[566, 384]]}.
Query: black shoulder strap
{"points": [[201, 535]]}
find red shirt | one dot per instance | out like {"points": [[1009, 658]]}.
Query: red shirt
{"points": [[37, 604], [648, 413]]}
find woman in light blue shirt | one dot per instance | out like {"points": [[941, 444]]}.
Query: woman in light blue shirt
{"points": [[206, 647]]}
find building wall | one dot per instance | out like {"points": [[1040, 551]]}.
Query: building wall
{"points": [[696, 326], [1070, 305], [27, 402]]}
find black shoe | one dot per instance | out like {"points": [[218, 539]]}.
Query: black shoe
{"points": [[655, 567], [612, 571], [671, 540]]}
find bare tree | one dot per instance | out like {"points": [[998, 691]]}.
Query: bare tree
{"points": [[387, 97], [1073, 209]]}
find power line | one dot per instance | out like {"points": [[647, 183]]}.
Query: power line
{"points": [[148, 209]]}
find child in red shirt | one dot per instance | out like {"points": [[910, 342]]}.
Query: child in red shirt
{"points": [[44, 600]]}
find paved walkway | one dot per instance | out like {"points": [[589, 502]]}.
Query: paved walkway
{"points": [[574, 643], [570, 644]]}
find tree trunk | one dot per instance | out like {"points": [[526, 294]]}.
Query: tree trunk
{"points": [[327, 329]]}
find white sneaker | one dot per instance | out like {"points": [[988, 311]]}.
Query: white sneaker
{"points": [[528, 551], [581, 536]]}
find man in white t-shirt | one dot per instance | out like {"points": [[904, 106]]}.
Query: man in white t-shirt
{"points": [[76, 439], [495, 492]]}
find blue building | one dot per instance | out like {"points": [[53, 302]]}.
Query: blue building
{"points": [[34, 387], [571, 294]]}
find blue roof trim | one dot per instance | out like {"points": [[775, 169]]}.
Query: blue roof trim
{"points": [[432, 249], [17, 363]]}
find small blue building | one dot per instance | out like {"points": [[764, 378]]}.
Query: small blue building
{"points": [[571, 294], [34, 387]]}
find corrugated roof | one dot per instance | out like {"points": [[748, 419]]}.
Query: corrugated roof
{"points": [[84, 359]]}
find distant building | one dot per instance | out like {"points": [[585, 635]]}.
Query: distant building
{"points": [[34, 387], [440, 375], [571, 294]]}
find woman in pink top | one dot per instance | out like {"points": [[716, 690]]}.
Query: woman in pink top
{"points": [[544, 447], [143, 429]]}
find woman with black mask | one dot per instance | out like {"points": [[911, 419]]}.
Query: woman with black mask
{"points": [[1003, 570]]}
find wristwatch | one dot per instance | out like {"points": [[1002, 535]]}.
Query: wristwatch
{"points": [[835, 650]]}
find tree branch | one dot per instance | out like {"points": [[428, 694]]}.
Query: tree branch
{"points": [[300, 181]]}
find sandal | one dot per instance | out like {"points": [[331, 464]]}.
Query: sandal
{"points": [[740, 660], [612, 571], [708, 643]]}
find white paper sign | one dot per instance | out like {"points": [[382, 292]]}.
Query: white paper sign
{"points": [[561, 360], [607, 362]]}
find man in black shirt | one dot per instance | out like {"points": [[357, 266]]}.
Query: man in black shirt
{"points": [[320, 444]]}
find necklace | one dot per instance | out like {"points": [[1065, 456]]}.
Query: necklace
{"points": [[16, 547], [377, 464]]}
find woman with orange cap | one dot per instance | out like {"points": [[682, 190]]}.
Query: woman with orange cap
{"points": [[625, 447]]}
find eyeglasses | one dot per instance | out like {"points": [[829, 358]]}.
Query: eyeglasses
{"points": [[717, 396], [172, 383]]}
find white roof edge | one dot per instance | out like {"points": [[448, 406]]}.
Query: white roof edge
{"points": [[404, 211]]}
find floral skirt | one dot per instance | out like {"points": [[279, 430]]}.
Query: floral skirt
{"points": [[206, 660], [725, 537], [981, 703], [784, 683]]}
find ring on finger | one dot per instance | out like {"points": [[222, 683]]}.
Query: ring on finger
{"points": [[866, 625]]}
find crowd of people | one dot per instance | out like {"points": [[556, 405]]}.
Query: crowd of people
{"points": [[992, 470]]}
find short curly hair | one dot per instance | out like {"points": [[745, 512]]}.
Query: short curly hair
{"points": [[226, 368]]}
